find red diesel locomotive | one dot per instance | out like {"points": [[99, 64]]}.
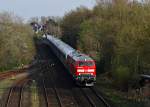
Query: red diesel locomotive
{"points": [[80, 66]]}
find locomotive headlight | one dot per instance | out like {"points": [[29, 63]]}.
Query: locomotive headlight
{"points": [[90, 70], [80, 70]]}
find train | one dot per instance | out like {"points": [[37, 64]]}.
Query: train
{"points": [[82, 67]]}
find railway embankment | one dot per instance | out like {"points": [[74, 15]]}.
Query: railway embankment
{"points": [[134, 97]]}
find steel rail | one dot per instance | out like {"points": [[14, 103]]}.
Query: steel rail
{"points": [[11, 91], [88, 98], [100, 97], [56, 91], [21, 93], [45, 94], [8, 98]]}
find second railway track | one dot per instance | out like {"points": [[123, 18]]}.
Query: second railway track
{"points": [[52, 97], [14, 97]]}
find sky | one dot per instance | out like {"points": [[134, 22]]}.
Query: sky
{"points": [[33, 8]]}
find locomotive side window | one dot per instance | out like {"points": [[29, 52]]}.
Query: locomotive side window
{"points": [[88, 63]]}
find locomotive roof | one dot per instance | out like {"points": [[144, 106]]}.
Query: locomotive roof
{"points": [[81, 57]]}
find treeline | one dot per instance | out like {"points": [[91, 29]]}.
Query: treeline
{"points": [[117, 35], [16, 42]]}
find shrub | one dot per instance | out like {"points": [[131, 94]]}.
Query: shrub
{"points": [[121, 76]]}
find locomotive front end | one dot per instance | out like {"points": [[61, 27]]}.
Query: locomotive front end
{"points": [[86, 72]]}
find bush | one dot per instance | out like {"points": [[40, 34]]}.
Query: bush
{"points": [[121, 76]]}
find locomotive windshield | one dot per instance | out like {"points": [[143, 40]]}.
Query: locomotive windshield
{"points": [[87, 63]]}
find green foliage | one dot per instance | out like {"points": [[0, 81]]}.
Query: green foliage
{"points": [[95, 38], [53, 26], [121, 76], [16, 42], [71, 25], [116, 34]]}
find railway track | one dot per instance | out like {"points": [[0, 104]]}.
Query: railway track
{"points": [[14, 97], [48, 93], [48, 98], [100, 97], [94, 98], [45, 93], [57, 95], [54, 94]]}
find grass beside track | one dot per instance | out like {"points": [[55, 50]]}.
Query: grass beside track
{"points": [[120, 98], [34, 95], [8, 82]]}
